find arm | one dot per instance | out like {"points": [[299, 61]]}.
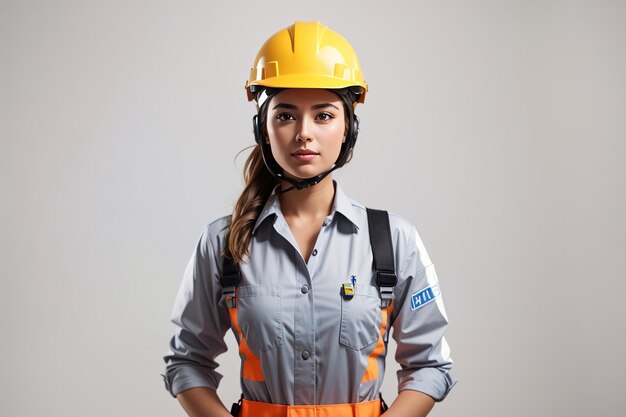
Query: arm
{"points": [[410, 404], [202, 321], [202, 402], [419, 323]]}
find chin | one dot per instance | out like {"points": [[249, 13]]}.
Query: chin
{"points": [[302, 174]]}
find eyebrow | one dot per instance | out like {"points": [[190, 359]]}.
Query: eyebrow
{"points": [[293, 107]]}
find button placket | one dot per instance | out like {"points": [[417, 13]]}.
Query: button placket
{"points": [[304, 338]]}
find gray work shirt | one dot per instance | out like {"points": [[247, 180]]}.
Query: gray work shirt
{"points": [[313, 343]]}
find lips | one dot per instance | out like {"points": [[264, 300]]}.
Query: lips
{"points": [[304, 155]]}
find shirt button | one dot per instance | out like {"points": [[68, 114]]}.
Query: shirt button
{"points": [[326, 221], [306, 355], [314, 252], [304, 289]]}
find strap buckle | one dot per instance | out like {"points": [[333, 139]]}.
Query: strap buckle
{"points": [[386, 281], [229, 294], [386, 278], [229, 280]]}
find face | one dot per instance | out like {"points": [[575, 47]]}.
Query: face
{"points": [[305, 130]]}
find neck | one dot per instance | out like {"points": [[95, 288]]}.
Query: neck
{"points": [[310, 202]]}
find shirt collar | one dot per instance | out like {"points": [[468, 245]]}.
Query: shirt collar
{"points": [[342, 204], [271, 209]]}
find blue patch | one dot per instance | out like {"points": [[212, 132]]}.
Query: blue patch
{"points": [[425, 296]]}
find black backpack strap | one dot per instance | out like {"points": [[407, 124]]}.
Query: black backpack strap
{"points": [[230, 279], [382, 250]]}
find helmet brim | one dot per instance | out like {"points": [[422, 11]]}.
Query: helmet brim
{"points": [[307, 81]]}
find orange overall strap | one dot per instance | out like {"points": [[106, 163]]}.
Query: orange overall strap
{"points": [[251, 363], [371, 373], [259, 409], [386, 280]]}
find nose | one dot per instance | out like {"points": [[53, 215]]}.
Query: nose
{"points": [[304, 131]]}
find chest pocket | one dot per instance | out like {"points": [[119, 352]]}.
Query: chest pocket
{"points": [[260, 317], [361, 318]]}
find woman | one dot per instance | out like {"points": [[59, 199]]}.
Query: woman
{"points": [[294, 273]]}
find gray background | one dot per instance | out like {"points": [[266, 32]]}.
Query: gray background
{"points": [[497, 127]]}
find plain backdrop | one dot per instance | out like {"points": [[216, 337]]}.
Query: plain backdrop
{"points": [[497, 127]]}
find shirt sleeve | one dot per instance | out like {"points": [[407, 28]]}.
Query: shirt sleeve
{"points": [[201, 323], [419, 322]]}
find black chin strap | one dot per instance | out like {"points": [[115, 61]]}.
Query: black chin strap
{"points": [[296, 184]]}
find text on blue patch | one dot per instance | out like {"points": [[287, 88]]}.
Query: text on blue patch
{"points": [[425, 296]]}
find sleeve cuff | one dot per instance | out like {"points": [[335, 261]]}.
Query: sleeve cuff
{"points": [[431, 381], [183, 377]]}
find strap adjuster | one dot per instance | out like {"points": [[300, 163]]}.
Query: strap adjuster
{"points": [[386, 278], [386, 281], [386, 293], [229, 296], [230, 278]]}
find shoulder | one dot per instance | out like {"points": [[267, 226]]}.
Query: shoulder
{"points": [[406, 239], [213, 238], [219, 226], [402, 230], [407, 242]]}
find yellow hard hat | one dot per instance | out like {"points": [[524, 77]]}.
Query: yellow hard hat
{"points": [[306, 55]]}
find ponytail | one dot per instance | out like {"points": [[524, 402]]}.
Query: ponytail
{"points": [[259, 185]]}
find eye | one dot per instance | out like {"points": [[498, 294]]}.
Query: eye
{"points": [[325, 116], [283, 117]]}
